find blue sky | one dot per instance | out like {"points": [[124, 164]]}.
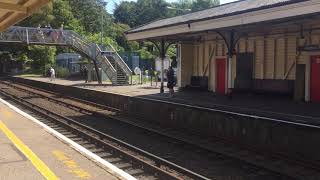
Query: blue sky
{"points": [[111, 3]]}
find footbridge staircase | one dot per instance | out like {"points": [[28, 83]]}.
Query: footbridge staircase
{"points": [[105, 58]]}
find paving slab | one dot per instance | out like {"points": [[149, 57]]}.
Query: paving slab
{"points": [[64, 161]]}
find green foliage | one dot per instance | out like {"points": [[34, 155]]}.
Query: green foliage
{"points": [[5, 56], [105, 41], [63, 14], [23, 57], [126, 13], [145, 11], [141, 12], [204, 4], [171, 51], [62, 72], [145, 54], [42, 55], [89, 13], [117, 32]]}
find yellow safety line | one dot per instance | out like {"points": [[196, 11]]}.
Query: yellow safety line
{"points": [[40, 165]]}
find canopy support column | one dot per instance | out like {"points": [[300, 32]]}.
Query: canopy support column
{"points": [[162, 56], [231, 39], [162, 48]]}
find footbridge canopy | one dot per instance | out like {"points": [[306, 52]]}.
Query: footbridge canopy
{"points": [[13, 11]]}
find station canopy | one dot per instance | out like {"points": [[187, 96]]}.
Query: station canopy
{"points": [[13, 11], [235, 15]]}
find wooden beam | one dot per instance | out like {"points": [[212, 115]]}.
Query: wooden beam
{"points": [[15, 18], [13, 7]]}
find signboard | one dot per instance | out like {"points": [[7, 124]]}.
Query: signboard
{"points": [[137, 70]]}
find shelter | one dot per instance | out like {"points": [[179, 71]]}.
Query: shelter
{"points": [[249, 45], [13, 11]]}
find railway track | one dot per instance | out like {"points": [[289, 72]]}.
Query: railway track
{"points": [[135, 161], [160, 163]]}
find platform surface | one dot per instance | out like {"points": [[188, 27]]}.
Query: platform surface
{"points": [[62, 160], [284, 108], [134, 90]]}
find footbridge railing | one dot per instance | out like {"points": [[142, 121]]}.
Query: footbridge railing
{"points": [[112, 64]]}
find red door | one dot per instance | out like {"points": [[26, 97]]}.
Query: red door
{"points": [[221, 76], [315, 79]]}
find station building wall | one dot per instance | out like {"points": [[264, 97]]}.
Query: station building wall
{"points": [[275, 55]]}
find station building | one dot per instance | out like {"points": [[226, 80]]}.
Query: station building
{"points": [[269, 46]]}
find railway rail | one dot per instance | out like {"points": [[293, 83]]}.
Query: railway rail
{"points": [[103, 111], [147, 166]]}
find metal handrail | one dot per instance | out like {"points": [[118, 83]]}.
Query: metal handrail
{"points": [[121, 62]]}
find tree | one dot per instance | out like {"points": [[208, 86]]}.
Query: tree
{"points": [[117, 32], [41, 56], [63, 14], [151, 10], [141, 12], [105, 41], [182, 6], [126, 13], [89, 13], [194, 5], [198, 5]]}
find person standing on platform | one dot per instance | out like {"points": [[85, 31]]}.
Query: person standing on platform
{"points": [[171, 82], [85, 74], [52, 74], [151, 72]]}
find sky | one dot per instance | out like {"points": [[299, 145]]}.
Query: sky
{"points": [[111, 3]]}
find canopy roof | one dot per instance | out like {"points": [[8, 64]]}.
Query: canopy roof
{"points": [[13, 11], [228, 15]]}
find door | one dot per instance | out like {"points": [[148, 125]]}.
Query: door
{"points": [[244, 76], [315, 79], [221, 76]]}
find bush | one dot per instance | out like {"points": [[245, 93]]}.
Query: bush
{"points": [[62, 72]]}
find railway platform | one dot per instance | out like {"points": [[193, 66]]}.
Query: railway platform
{"points": [[278, 107], [31, 151]]}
